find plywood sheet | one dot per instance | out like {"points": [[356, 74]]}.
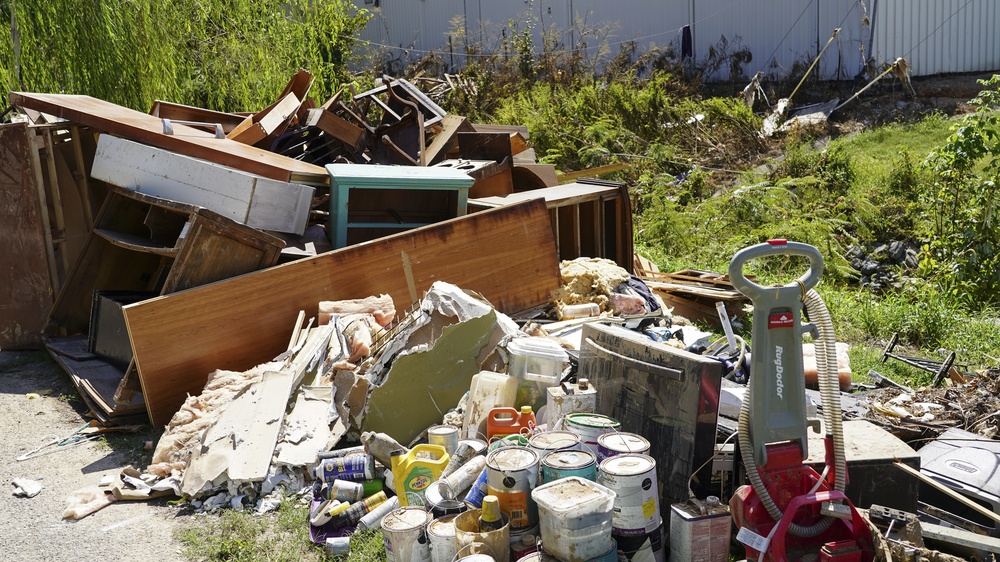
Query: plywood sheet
{"points": [[508, 255], [245, 198], [134, 125], [25, 288]]}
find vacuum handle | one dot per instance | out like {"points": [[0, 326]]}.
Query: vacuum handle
{"points": [[778, 247]]}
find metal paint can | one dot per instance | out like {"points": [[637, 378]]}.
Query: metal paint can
{"points": [[338, 546], [355, 468], [511, 474], [561, 464], [347, 491], [515, 440], [590, 427], [478, 491], [633, 479], [550, 441], [373, 519], [440, 502], [441, 534], [445, 436], [611, 444], [404, 532], [647, 547], [523, 543], [478, 444]]}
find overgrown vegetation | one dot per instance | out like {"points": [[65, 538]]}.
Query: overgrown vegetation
{"points": [[228, 55]]}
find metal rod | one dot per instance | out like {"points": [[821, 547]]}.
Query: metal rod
{"points": [[816, 60]]}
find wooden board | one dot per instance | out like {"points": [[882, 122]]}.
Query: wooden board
{"points": [[508, 255], [25, 285], [134, 125], [245, 198]]}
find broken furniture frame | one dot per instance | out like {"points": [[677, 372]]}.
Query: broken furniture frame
{"points": [[938, 368]]}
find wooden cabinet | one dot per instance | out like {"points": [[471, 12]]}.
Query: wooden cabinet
{"points": [[143, 243]]}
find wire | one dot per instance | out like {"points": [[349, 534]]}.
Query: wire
{"points": [[953, 14], [794, 25], [710, 459]]}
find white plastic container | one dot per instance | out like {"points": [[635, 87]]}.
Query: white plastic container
{"points": [[575, 518], [537, 363], [488, 390]]}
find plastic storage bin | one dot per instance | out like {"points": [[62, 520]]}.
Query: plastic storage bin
{"points": [[537, 363], [574, 517]]}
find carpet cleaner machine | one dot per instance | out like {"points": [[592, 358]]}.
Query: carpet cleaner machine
{"points": [[789, 512]]}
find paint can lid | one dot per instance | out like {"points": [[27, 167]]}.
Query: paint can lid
{"points": [[405, 518], [569, 460], [512, 458], [628, 465]]}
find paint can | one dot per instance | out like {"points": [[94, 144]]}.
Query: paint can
{"points": [[478, 491], [440, 501], [611, 444], [350, 492], [549, 441], [700, 530], [478, 444], [463, 454], [590, 427], [647, 547], [511, 474], [355, 468], [477, 558], [633, 479], [537, 556], [515, 440], [445, 436], [338, 546], [404, 532], [561, 464], [524, 543], [441, 534]]}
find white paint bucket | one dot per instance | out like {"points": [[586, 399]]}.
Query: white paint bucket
{"points": [[590, 427], [405, 535], [633, 479], [441, 534], [611, 444], [575, 515], [511, 474], [551, 441]]}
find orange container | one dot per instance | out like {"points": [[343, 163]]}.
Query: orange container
{"points": [[508, 421]]}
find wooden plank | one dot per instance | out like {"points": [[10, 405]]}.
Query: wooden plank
{"points": [[508, 255], [959, 537], [949, 492], [245, 198], [450, 125], [170, 110], [25, 286], [336, 126], [140, 127]]}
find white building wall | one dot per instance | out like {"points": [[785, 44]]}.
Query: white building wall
{"points": [[935, 36]]}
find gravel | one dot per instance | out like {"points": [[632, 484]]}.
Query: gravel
{"points": [[33, 528]]}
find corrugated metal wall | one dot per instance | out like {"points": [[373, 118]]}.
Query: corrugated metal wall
{"points": [[939, 36], [935, 36]]}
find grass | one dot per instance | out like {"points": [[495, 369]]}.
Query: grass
{"points": [[244, 536]]}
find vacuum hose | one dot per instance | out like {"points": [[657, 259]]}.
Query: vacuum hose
{"points": [[826, 362]]}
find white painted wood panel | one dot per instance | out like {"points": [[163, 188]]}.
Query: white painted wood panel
{"points": [[248, 199]]}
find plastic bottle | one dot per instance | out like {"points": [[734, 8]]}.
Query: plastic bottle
{"points": [[490, 518], [414, 470], [508, 421], [381, 446]]}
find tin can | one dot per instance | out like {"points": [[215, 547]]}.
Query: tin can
{"points": [[523, 543], [590, 427], [338, 546], [511, 474], [478, 444], [440, 502], [350, 492], [463, 454], [441, 534], [478, 491], [611, 444], [549, 441], [354, 468], [404, 532], [561, 464], [508, 441], [373, 519], [444, 435], [633, 479]]}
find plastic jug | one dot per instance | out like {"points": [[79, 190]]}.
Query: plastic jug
{"points": [[488, 390], [508, 421], [414, 470]]}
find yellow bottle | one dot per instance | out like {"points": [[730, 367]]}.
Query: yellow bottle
{"points": [[414, 470]]}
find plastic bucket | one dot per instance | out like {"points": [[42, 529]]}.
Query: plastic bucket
{"points": [[575, 516]]}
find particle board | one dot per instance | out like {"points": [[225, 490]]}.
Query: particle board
{"points": [[508, 255], [245, 198], [141, 127], [25, 286]]}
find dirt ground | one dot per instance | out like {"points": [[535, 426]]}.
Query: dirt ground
{"points": [[33, 528]]}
